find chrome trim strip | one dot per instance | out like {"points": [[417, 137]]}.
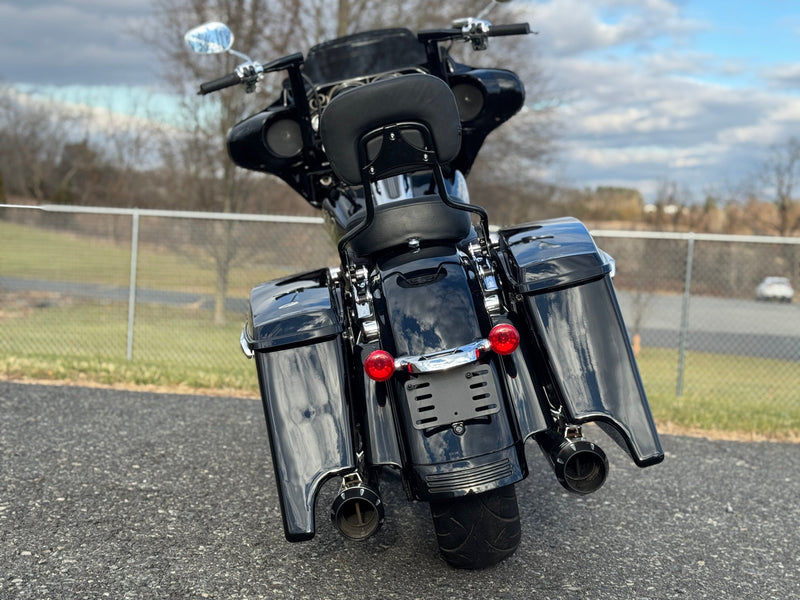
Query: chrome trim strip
{"points": [[443, 360], [244, 343]]}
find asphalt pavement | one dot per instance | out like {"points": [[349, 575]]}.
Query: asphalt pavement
{"points": [[115, 494]]}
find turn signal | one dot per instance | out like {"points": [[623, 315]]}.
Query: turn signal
{"points": [[504, 338], [379, 365]]}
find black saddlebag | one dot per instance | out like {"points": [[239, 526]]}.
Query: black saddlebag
{"points": [[571, 311], [295, 333]]}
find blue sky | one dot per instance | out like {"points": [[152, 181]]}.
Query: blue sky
{"points": [[647, 92], [762, 31], [740, 36]]}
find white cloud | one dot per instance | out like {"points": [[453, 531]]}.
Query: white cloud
{"points": [[85, 41], [789, 113], [772, 127], [642, 106], [673, 62], [100, 119], [569, 27], [784, 76]]}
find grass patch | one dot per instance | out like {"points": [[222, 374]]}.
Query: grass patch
{"points": [[121, 373], [87, 343], [36, 253], [755, 397], [42, 254]]}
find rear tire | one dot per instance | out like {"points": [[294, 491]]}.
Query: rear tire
{"points": [[478, 530]]}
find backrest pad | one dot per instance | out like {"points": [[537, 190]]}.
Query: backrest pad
{"points": [[406, 98]]}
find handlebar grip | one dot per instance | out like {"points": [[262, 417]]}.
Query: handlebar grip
{"points": [[511, 29], [219, 83]]}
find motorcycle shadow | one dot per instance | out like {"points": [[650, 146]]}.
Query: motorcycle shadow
{"points": [[548, 513]]}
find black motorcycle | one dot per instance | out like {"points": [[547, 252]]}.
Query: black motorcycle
{"points": [[435, 348]]}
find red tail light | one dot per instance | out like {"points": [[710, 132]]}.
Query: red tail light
{"points": [[379, 365], [504, 338]]}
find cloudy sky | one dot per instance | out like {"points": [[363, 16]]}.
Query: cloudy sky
{"points": [[648, 91]]}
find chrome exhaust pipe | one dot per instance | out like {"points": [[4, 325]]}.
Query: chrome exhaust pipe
{"points": [[580, 466], [357, 512]]}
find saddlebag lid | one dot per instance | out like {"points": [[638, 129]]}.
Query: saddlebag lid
{"points": [[549, 254], [293, 311]]}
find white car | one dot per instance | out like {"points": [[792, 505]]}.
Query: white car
{"points": [[775, 288]]}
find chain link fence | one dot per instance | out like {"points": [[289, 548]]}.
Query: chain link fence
{"points": [[169, 290], [693, 297], [161, 291]]}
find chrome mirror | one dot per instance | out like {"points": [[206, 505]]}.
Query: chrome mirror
{"points": [[209, 38]]}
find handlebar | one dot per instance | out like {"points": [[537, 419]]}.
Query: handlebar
{"points": [[475, 31], [250, 72], [510, 29], [220, 83], [443, 35]]}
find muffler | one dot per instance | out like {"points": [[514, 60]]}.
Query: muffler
{"points": [[580, 466], [357, 512]]}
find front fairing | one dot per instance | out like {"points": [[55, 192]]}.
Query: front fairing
{"points": [[338, 65]]}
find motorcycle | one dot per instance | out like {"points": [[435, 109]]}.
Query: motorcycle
{"points": [[436, 348]]}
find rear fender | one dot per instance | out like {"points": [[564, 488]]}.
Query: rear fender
{"points": [[425, 305]]}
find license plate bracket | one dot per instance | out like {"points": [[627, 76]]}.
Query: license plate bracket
{"points": [[447, 397]]}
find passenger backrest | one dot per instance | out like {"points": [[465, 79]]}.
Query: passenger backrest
{"points": [[411, 99]]}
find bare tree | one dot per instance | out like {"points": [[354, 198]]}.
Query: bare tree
{"points": [[31, 142], [195, 155], [780, 177]]}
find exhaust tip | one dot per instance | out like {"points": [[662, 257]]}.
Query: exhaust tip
{"points": [[357, 512], [580, 466]]}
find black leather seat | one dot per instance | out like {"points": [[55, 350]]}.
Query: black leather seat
{"points": [[425, 218]]}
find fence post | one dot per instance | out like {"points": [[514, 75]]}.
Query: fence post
{"points": [[685, 313], [132, 284]]}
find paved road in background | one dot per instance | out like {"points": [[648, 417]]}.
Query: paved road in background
{"points": [[720, 325], [138, 495]]}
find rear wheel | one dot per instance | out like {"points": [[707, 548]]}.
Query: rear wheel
{"points": [[478, 530]]}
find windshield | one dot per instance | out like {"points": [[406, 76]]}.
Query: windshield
{"points": [[363, 54]]}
